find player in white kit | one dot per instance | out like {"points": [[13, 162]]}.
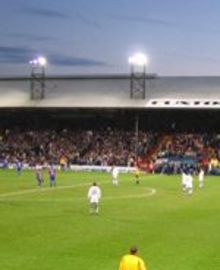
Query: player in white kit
{"points": [[94, 195], [201, 178], [183, 179], [115, 173], [189, 183]]}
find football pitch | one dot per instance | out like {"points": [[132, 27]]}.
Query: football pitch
{"points": [[51, 228]]}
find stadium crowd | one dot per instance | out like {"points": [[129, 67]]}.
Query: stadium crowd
{"points": [[107, 147], [193, 149], [66, 146]]}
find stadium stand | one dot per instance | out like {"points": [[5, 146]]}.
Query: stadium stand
{"points": [[81, 147], [92, 120]]}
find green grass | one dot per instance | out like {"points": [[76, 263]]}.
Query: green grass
{"points": [[52, 229]]}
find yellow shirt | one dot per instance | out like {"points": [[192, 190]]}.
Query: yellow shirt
{"points": [[132, 262], [63, 161], [137, 173]]}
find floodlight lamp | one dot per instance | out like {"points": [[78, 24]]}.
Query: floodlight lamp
{"points": [[42, 61], [33, 62], [138, 59]]}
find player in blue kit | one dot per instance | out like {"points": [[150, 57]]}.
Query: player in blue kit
{"points": [[52, 176], [5, 163], [18, 166]]}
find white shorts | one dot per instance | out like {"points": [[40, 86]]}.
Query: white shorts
{"points": [[189, 185], [183, 183], [94, 199]]}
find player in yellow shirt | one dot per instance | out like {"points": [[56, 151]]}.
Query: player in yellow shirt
{"points": [[132, 261], [63, 163], [137, 174]]}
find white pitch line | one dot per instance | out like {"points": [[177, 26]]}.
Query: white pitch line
{"points": [[37, 190], [151, 191]]}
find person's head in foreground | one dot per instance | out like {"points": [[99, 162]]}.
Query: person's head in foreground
{"points": [[133, 250]]}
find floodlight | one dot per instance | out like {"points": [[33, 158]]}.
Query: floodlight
{"points": [[42, 61], [138, 64], [37, 82], [138, 59], [33, 62]]}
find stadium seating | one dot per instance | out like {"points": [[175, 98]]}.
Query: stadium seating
{"points": [[82, 147]]}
